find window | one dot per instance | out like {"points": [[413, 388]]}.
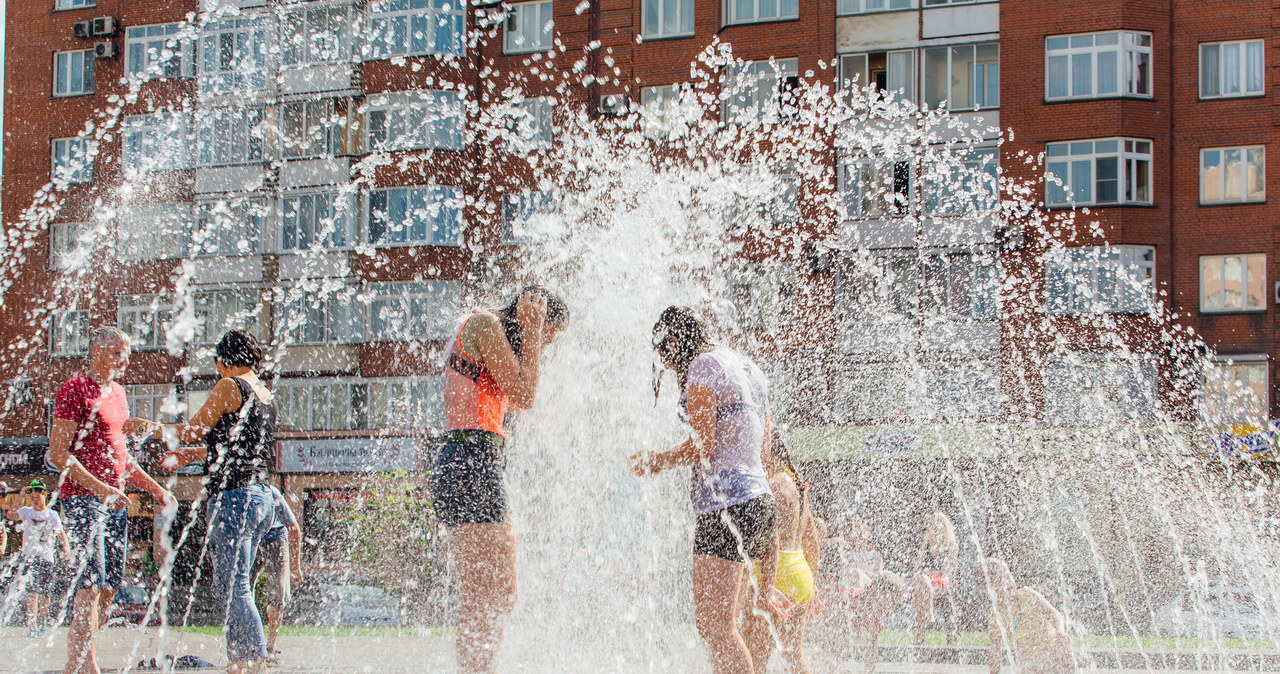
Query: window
{"points": [[1230, 69], [405, 312], [158, 402], [73, 73], [1233, 175], [528, 124], [73, 4], [752, 11], [430, 215], [667, 18], [961, 286], [890, 74], [527, 216], [1097, 65], [319, 220], [312, 129], [931, 3], [966, 184], [1100, 280], [1235, 391], [143, 318], [765, 199], [230, 136], [414, 27], [414, 120], [1095, 389], [845, 7], [400, 403], [763, 296], [233, 54], [761, 90], [158, 51], [966, 77], [230, 227], [322, 35], [1233, 283], [154, 231], [878, 289], [217, 311], [665, 114], [155, 143], [69, 333], [1106, 171], [323, 317], [529, 28], [65, 246], [71, 160], [961, 391], [876, 188]]}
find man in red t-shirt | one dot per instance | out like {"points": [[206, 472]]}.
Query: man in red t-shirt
{"points": [[90, 420]]}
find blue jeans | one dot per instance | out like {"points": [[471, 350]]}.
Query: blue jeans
{"points": [[99, 538], [239, 520]]}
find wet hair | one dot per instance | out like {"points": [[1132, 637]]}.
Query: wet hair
{"points": [[693, 338], [107, 334], [238, 348], [557, 314], [941, 535]]}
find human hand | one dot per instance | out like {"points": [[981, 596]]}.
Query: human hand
{"points": [[779, 604], [295, 576], [531, 311], [642, 464], [816, 607], [164, 497], [114, 498]]}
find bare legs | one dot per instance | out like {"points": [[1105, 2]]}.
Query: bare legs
{"points": [[90, 605], [717, 596], [485, 555], [922, 600], [275, 616], [760, 640], [37, 611]]}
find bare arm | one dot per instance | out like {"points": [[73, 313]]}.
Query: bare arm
{"points": [[60, 438], [702, 417], [295, 553], [224, 397], [517, 377], [66, 545], [140, 479], [138, 426]]}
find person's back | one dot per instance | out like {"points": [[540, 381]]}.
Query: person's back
{"points": [[790, 516], [734, 474]]}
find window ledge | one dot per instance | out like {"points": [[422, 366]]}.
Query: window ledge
{"points": [[883, 11], [525, 51], [1076, 207], [1261, 94], [1232, 312], [647, 38], [1082, 99], [785, 19], [78, 95], [1214, 204]]}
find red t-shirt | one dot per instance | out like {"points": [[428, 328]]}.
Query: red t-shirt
{"points": [[99, 414]]}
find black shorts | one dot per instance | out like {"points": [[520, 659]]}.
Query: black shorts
{"points": [[744, 527], [466, 479]]}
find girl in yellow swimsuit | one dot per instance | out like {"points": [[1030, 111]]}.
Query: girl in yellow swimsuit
{"points": [[798, 561]]}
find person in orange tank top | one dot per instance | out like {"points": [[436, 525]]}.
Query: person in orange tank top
{"points": [[492, 367]]}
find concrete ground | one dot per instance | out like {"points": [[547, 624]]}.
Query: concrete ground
{"points": [[122, 649]]}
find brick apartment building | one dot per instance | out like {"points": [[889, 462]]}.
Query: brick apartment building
{"points": [[1155, 115]]}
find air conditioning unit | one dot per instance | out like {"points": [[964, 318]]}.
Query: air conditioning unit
{"points": [[104, 50], [104, 26], [615, 105], [82, 29]]}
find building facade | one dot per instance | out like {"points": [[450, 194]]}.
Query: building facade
{"points": [[223, 156]]}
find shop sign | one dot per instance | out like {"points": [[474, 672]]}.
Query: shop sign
{"points": [[22, 455], [349, 455], [1244, 442]]}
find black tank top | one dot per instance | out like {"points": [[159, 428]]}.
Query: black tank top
{"points": [[241, 445]]}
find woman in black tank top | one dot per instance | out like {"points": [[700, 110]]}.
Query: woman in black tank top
{"points": [[237, 426]]}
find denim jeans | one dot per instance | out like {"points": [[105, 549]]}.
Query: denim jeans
{"points": [[239, 519], [99, 537]]}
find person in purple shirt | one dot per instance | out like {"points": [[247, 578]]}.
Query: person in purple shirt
{"points": [[724, 399]]}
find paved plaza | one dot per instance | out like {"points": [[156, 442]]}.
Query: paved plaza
{"points": [[433, 652]]}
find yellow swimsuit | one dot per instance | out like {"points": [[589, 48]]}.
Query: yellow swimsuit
{"points": [[794, 579]]}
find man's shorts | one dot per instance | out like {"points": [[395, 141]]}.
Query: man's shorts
{"points": [[37, 574], [99, 538], [273, 560]]}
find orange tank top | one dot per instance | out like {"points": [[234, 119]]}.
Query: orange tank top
{"points": [[473, 399]]}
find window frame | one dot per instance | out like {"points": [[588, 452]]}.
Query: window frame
{"points": [[1245, 92], [255, 207], [437, 292], [87, 69], [298, 23], [1123, 50], [909, 93], [1126, 180], [515, 21], [1069, 305], [156, 397], [80, 176], [288, 388], [182, 48], [66, 5], [740, 81], [349, 212], [1206, 261], [685, 14], [329, 309], [64, 238], [974, 164], [847, 199], [209, 138], [524, 204], [976, 93], [1245, 198], [843, 7], [232, 77], [1242, 361], [457, 195], [729, 10], [79, 333], [171, 244], [373, 43], [156, 309], [247, 301], [402, 103], [536, 115], [146, 126]]}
